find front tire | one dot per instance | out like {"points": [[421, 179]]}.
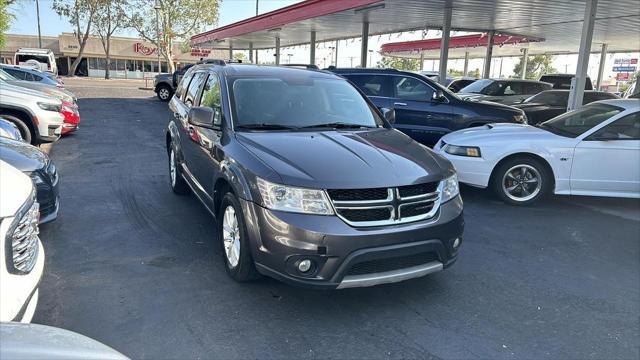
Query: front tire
{"points": [[164, 93], [178, 183], [236, 250], [521, 181]]}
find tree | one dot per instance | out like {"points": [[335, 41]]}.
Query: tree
{"points": [[179, 19], [108, 19], [537, 66], [80, 14], [5, 20], [399, 63]]}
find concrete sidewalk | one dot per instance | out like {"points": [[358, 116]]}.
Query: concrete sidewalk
{"points": [[111, 83]]}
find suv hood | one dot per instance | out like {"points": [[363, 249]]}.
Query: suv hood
{"points": [[346, 159], [22, 156], [24, 92], [47, 89]]}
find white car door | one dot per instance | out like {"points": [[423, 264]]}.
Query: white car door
{"points": [[607, 162]]}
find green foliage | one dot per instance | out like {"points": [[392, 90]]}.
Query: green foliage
{"points": [[537, 66], [399, 63], [5, 20], [239, 56]]}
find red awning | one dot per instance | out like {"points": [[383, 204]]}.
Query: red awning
{"points": [[305, 10], [467, 41]]}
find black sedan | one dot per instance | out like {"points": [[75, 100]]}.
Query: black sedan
{"points": [[37, 165], [551, 103]]}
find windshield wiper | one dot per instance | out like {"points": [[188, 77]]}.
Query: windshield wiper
{"points": [[338, 125], [265, 126]]}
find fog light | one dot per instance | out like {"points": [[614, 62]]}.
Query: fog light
{"points": [[304, 265], [456, 243]]}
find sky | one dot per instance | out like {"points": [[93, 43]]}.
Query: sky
{"points": [[349, 50]]}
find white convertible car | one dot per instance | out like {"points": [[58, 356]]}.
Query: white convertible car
{"points": [[594, 151]]}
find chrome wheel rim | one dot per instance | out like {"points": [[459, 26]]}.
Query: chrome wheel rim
{"points": [[172, 168], [231, 236], [164, 93], [522, 182]]}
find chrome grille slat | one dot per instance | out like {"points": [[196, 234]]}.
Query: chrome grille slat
{"points": [[24, 240]]}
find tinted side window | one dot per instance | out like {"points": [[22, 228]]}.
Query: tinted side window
{"points": [[184, 84], [408, 88], [533, 88], [20, 75], [590, 97], [194, 86], [36, 77], [370, 85], [212, 97], [627, 128], [513, 88]]}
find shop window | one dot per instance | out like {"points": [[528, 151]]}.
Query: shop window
{"points": [[139, 66], [130, 65], [147, 66], [164, 67]]}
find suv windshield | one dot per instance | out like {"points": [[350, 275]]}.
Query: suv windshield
{"points": [[577, 122], [484, 87], [553, 98], [296, 102]]}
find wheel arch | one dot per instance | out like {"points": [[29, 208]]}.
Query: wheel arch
{"points": [[23, 114], [530, 155], [231, 179]]}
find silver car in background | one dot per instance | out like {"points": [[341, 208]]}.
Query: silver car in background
{"points": [[51, 90]]}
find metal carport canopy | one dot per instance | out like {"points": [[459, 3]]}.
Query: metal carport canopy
{"points": [[558, 23]]}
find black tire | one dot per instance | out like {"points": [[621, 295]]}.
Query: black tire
{"points": [[245, 269], [25, 132], [164, 92], [525, 191], [178, 183]]}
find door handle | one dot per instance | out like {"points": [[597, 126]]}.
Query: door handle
{"points": [[400, 104]]}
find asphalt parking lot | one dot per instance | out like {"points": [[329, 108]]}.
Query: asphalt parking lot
{"points": [[136, 267]]}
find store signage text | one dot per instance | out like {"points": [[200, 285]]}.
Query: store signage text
{"points": [[141, 48], [625, 62], [200, 52], [624, 68]]}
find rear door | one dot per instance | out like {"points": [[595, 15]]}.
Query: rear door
{"points": [[417, 114], [605, 167], [190, 148]]}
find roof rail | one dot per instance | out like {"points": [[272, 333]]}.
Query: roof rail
{"points": [[304, 66]]}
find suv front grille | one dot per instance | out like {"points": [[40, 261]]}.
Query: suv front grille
{"points": [[391, 264], [24, 240], [386, 206]]}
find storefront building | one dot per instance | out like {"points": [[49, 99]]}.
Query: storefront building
{"points": [[130, 58]]}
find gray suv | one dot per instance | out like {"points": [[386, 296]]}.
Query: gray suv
{"points": [[307, 180]]}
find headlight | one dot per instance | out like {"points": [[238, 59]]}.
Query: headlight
{"points": [[37, 178], [472, 151], [49, 107], [292, 199], [520, 118], [449, 188]]}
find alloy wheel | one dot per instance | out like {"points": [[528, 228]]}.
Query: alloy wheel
{"points": [[163, 93], [522, 182], [231, 236]]}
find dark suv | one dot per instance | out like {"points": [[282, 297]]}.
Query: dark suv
{"points": [[425, 110], [308, 181]]}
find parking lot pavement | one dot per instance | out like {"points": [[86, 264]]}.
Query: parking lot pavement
{"points": [[135, 266]]}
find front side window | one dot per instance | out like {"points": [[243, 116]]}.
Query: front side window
{"points": [[575, 123], [298, 102], [183, 85], [513, 88], [212, 97], [19, 75], [194, 86], [408, 88], [627, 128]]}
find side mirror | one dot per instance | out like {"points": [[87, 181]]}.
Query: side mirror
{"points": [[202, 116], [389, 115], [438, 96]]}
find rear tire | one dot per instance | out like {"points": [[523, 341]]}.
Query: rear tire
{"points": [[236, 250], [521, 181], [25, 132], [164, 93], [178, 183]]}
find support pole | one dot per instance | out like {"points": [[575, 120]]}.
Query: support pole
{"points": [[487, 58], [251, 52], [444, 44], [277, 50], [421, 60], [364, 49], [38, 16], [230, 52], [577, 83], [466, 63], [603, 59], [525, 60], [312, 48], [337, 42]]}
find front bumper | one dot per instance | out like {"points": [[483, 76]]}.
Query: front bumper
{"points": [[470, 170], [344, 256]]}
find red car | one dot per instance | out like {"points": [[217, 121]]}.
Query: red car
{"points": [[71, 117]]}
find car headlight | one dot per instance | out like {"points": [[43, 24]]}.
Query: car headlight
{"points": [[471, 151], [49, 107], [520, 118], [449, 188], [293, 199]]}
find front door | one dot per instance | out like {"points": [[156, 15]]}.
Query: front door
{"points": [[417, 114], [607, 161]]}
